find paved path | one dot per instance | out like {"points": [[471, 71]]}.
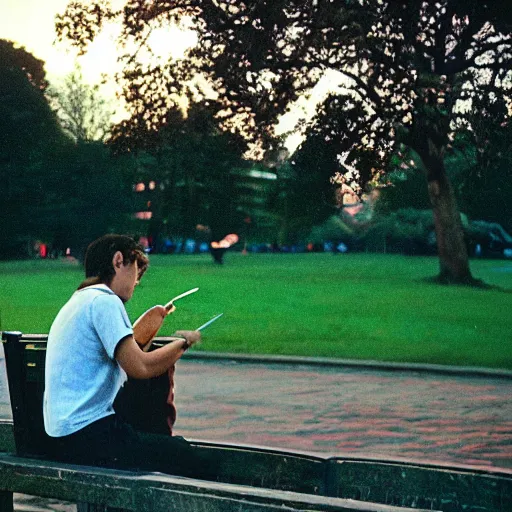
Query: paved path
{"points": [[352, 411], [397, 414]]}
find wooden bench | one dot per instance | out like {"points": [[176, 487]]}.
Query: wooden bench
{"points": [[152, 492], [255, 479]]}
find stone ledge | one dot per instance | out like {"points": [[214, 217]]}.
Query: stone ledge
{"points": [[467, 371]]}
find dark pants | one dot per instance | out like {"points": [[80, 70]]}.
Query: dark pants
{"points": [[218, 255], [112, 443]]}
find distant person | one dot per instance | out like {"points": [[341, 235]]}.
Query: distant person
{"points": [[341, 248], [190, 246], [217, 253], [217, 249], [91, 352]]}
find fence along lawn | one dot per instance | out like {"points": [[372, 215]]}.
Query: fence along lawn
{"points": [[356, 306]]}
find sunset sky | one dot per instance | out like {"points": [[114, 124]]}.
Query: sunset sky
{"points": [[30, 23]]}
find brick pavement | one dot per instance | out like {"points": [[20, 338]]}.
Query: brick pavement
{"points": [[402, 414], [399, 414]]}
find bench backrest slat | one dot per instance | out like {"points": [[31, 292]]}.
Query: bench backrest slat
{"points": [[25, 375]]}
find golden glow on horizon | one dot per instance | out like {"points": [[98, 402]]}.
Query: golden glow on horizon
{"points": [[171, 40], [30, 23]]}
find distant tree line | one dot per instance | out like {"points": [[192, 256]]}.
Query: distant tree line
{"points": [[64, 183], [55, 189]]}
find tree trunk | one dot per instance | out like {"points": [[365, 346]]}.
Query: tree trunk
{"points": [[452, 250]]}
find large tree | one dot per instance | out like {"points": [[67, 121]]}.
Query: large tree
{"points": [[405, 68]]}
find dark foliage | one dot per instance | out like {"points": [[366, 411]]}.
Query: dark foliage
{"points": [[53, 190], [29, 134]]}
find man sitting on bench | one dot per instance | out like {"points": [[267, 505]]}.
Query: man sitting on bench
{"points": [[90, 353]]}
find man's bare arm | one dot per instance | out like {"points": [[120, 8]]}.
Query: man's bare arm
{"points": [[144, 365]]}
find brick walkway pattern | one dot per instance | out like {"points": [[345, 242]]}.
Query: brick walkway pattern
{"points": [[396, 414]]}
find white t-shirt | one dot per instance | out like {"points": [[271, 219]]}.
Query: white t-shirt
{"points": [[82, 375]]}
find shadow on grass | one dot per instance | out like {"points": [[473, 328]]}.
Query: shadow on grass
{"points": [[471, 282]]}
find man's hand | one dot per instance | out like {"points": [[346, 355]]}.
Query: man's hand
{"points": [[144, 365], [192, 337], [163, 311]]}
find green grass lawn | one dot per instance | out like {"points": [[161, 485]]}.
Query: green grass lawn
{"points": [[353, 306]]}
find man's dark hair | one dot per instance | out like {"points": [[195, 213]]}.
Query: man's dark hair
{"points": [[98, 258]]}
